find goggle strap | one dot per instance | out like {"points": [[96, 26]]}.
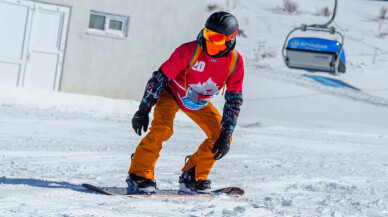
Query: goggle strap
{"points": [[232, 36]]}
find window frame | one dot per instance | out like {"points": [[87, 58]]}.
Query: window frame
{"points": [[123, 33]]}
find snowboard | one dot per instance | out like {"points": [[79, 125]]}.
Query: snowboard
{"points": [[123, 191]]}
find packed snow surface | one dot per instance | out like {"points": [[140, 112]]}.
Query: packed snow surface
{"points": [[300, 149]]}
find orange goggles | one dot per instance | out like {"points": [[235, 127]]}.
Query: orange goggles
{"points": [[217, 38]]}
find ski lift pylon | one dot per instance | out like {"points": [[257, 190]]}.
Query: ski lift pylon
{"points": [[314, 53]]}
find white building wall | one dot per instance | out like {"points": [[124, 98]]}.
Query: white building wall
{"points": [[120, 68]]}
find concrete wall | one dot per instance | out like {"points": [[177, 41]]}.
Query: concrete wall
{"points": [[120, 68]]}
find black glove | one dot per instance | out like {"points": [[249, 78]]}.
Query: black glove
{"points": [[222, 145], [140, 120]]}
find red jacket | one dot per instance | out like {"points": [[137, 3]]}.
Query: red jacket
{"points": [[205, 79]]}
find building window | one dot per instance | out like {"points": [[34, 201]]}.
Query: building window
{"points": [[108, 24], [116, 25], [97, 22]]}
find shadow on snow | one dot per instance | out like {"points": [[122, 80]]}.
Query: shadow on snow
{"points": [[42, 183]]}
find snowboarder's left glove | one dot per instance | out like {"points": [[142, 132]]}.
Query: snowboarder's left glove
{"points": [[140, 120], [221, 146]]}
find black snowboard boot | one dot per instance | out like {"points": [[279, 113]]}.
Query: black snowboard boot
{"points": [[139, 184], [189, 185]]}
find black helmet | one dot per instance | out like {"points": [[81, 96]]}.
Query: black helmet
{"points": [[224, 23]]}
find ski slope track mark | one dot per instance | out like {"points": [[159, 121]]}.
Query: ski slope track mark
{"points": [[300, 80]]}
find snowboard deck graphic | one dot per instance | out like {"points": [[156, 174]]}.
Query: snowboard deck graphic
{"points": [[123, 191]]}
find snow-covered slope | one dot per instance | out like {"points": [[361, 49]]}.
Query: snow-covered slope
{"points": [[300, 148]]}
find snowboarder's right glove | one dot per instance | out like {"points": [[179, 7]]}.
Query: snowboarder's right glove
{"points": [[222, 144], [140, 120], [154, 87]]}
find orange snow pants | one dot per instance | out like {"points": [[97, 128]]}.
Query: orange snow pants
{"points": [[147, 152]]}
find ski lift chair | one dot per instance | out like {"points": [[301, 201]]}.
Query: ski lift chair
{"points": [[313, 53]]}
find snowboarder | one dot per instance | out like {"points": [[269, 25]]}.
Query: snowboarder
{"points": [[195, 72]]}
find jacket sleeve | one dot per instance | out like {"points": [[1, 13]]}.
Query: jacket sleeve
{"points": [[154, 87], [178, 60], [234, 100]]}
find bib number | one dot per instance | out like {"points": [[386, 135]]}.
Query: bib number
{"points": [[199, 66]]}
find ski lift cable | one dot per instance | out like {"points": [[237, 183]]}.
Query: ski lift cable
{"points": [[339, 27]]}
